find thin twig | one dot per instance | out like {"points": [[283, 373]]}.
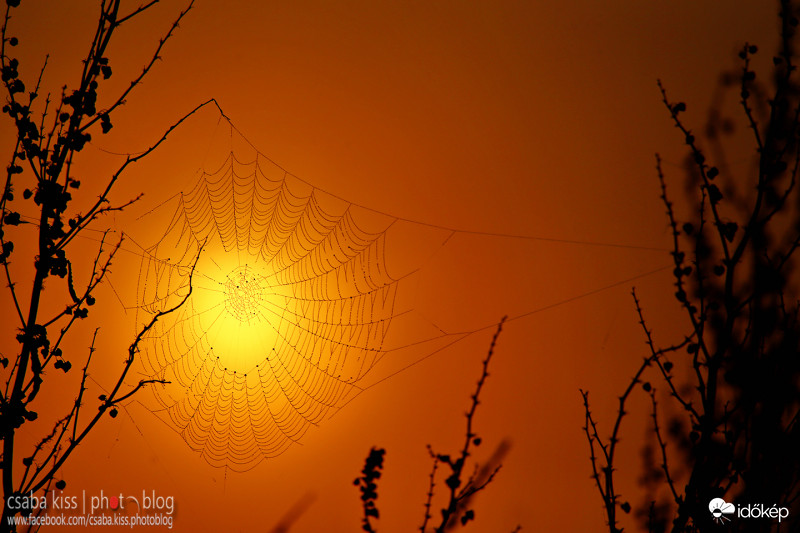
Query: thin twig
{"points": [[663, 447]]}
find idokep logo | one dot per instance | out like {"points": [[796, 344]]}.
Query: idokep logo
{"points": [[719, 508]]}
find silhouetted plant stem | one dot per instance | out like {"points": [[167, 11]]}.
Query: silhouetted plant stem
{"points": [[368, 485], [460, 491], [733, 434], [40, 170], [431, 485]]}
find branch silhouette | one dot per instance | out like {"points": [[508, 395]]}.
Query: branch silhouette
{"points": [[732, 398], [460, 491], [47, 144]]}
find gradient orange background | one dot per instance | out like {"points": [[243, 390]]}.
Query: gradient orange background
{"points": [[528, 118]]}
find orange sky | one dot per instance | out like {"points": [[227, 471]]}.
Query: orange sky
{"points": [[526, 118]]}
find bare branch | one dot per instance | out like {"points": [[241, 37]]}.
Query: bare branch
{"points": [[135, 12], [656, 356], [121, 99], [431, 485], [85, 374], [111, 398], [83, 221], [454, 481], [663, 447]]}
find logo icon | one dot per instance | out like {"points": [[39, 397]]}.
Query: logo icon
{"points": [[719, 508]]}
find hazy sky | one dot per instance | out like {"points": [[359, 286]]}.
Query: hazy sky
{"points": [[538, 119]]}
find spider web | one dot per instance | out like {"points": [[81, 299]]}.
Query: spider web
{"points": [[289, 309]]}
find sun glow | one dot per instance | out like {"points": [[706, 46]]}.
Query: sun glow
{"points": [[241, 316]]}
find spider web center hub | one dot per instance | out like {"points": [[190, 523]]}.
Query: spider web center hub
{"points": [[244, 294]]}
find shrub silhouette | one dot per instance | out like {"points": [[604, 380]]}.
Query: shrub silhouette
{"points": [[732, 429], [460, 489], [49, 138]]}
